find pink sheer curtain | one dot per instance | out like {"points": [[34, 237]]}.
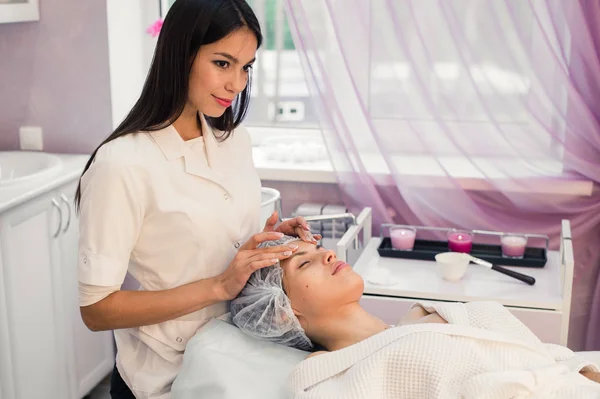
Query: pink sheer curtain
{"points": [[465, 113]]}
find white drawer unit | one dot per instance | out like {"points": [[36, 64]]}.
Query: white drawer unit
{"points": [[45, 349], [543, 307], [546, 324]]}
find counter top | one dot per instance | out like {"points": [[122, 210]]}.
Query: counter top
{"points": [[70, 170], [427, 172], [421, 280]]}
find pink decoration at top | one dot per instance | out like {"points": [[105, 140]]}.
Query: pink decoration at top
{"points": [[154, 29]]}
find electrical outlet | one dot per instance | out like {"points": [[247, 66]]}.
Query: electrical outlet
{"points": [[287, 111], [31, 138]]}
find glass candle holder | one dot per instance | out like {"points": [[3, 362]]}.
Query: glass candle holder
{"points": [[513, 245], [403, 237], [460, 241]]}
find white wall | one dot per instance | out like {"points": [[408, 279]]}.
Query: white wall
{"points": [[130, 51]]}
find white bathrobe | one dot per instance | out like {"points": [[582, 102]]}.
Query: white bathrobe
{"points": [[483, 352]]}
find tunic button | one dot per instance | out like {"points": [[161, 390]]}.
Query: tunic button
{"points": [[236, 245], [226, 196], [179, 339]]}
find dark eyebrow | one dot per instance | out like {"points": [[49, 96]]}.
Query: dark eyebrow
{"points": [[233, 59], [304, 252], [297, 253]]}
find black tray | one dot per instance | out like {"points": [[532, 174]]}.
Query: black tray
{"points": [[426, 250]]}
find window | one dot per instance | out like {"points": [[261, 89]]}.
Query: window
{"points": [[450, 63], [280, 95], [482, 70]]}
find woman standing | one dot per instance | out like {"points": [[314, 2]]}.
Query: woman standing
{"points": [[172, 198]]}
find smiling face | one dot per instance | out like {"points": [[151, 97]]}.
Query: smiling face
{"points": [[317, 283], [220, 72]]}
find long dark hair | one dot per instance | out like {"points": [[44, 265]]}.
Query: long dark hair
{"points": [[188, 25]]}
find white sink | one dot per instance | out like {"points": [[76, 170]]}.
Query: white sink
{"points": [[23, 166]]}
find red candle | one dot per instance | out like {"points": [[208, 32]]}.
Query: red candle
{"points": [[460, 241]]}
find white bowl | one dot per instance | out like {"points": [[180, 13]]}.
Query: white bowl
{"points": [[452, 265]]}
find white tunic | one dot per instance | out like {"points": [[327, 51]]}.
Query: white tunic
{"points": [[169, 212]]}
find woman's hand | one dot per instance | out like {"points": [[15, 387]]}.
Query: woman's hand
{"points": [[247, 260], [293, 227]]}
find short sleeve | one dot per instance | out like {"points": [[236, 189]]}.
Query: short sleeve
{"points": [[111, 215]]}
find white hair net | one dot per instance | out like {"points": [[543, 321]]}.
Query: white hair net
{"points": [[263, 310]]}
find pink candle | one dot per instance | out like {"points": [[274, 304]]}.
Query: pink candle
{"points": [[513, 246], [460, 241], [403, 238]]}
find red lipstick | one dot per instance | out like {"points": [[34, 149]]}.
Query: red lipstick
{"points": [[223, 101]]}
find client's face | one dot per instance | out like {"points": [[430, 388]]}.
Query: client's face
{"points": [[317, 283]]}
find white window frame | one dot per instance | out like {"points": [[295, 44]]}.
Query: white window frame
{"points": [[164, 6], [130, 51]]}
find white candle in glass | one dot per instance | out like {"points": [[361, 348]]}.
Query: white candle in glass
{"points": [[403, 238], [513, 245]]}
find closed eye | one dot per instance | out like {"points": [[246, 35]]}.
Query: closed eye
{"points": [[317, 247]]}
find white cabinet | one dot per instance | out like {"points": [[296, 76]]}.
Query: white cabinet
{"points": [[543, 307], [91, 353], [392, 285], [45, 351], [545, 324], [31, 274]]}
